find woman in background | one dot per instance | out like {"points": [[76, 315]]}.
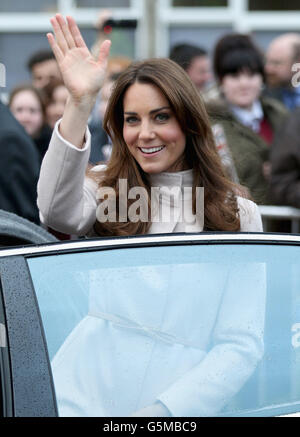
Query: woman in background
{"points": [[248, 121], [57, 95], [27, 104]]}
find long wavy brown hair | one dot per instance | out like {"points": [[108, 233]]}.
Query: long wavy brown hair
{"points": [[221, 210]]}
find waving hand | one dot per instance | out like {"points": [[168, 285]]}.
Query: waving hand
{"points": [[83, 75]]}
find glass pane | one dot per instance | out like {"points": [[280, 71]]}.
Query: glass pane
{"points": [[103, 3], [264, 38], [25, 44], [274, 5], [128, 327], [28, 6], [15, 50], [199, 3], [123, 43]]}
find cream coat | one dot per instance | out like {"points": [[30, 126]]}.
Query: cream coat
{"points": [[67, 199], [187, 375]]}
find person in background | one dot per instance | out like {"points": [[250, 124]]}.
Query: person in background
{"points": [[285, 160], [56, 98], [43, 68], [19, 168], [248, 121], [115, 65], [100, 141], [195, 61], [281, 55], [56, 95], [27, 104]]}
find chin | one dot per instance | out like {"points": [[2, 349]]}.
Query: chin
{"points": [[246, 104], [151, 169], [273, 83]]}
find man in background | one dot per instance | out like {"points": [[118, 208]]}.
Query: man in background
{"points": [[43, 68], [19, 168], [281, 55], [195, 61]]}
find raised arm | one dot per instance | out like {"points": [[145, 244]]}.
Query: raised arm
{"points": [[83, 75], [66, 198]]}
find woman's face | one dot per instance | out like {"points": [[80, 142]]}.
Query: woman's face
{"points": [[27, 109], [55, 109], [242, 89], [151, 130]]}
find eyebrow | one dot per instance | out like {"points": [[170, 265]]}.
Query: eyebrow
{"points": [[151, 112]]}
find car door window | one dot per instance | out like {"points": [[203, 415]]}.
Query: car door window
{"points": [[135, 327]]}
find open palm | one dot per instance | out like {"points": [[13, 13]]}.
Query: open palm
{"points": [[83, 75]]}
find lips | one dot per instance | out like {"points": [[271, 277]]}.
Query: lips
{"points": [[151, 150]]}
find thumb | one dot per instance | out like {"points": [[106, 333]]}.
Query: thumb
{"points": [[104, 52]]}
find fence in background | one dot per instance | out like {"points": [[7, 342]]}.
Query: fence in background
{"points": [[271, 214]]}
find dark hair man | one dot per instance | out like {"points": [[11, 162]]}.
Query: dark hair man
{"points": [[195, 61], [43, 68]]}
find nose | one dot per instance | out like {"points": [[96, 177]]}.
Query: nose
{"points": [[24, 116], [268, 65], [208, 76], [244, 80], [269, 68], [146, 132]]}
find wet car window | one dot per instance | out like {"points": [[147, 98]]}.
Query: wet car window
{"points": [[202, 329]]}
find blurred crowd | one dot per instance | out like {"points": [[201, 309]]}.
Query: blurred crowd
{"points": [[252, 98]]}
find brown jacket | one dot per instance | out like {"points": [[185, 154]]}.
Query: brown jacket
{"points": [[249, 151], [285, 160]]}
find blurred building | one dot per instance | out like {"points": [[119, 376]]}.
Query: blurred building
{"points": [[161, 24]]}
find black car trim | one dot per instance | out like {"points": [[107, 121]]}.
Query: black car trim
{"points": [[33, 392], [5, 368]]}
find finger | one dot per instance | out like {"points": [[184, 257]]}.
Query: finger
{"points": [[79, 41], [59, 36], [55, 48], [104, 52], [66, 31]]}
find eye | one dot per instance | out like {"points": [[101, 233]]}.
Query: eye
{"points": [[131, 119], [161, 117]]}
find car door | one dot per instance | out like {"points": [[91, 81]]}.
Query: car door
{"points": [[121, 324]]}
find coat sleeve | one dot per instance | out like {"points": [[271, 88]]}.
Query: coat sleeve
{"points": [[19, 174], [285, 160], [250, 217], [66, 197]]}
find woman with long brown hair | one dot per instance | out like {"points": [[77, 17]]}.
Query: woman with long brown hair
{"points": [[161, 138], [163, 163]]}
